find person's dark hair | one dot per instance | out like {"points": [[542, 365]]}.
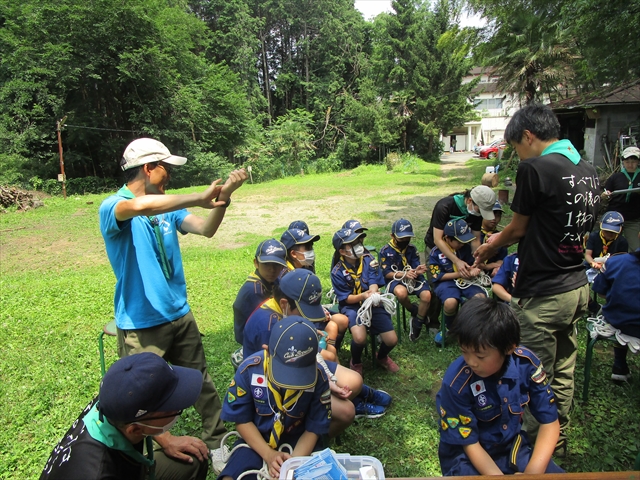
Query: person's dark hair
{"points": [[465, 194], [484, 322], [132, 173], [538, 119], [636, 255]]}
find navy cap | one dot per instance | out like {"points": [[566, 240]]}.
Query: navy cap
{"points": [[497, 207], [459, 230], [612, 222], [295, 236], [304, 288], [145, 383], [293, 346], [300, 225], [272, 251], [402, 228], [354, 225], [346, 235]]}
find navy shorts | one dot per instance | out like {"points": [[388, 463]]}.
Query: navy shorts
{"points": [[380, 319], [394, 283], [449, 289]]}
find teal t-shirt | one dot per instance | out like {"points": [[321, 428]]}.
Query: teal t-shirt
{"points": [[144, 297]]}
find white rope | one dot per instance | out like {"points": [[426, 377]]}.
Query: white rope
{"points": [[483, 281], [331, 295], [364, 315], [409, 283], [324, 366], [600, 328], [263, 473]]}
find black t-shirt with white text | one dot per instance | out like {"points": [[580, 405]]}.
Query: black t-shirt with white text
{"points": [[561, 200]]}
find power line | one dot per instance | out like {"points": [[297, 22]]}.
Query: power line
{"points": [[189, 132]]}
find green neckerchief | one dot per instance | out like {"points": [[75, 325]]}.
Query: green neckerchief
{"points": [[462, 206], [626, 174], [155, 223], [563, 147], [111, 437]]}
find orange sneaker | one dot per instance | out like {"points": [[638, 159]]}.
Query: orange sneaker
{"points": [[388, 364]]}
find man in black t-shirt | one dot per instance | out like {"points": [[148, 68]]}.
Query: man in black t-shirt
{"points": [[555, 204], [140, 396]]}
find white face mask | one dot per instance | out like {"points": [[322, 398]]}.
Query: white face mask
{"points": [[285, 314], [309, 258], [164, 429], [473, 211], [358, 250]]}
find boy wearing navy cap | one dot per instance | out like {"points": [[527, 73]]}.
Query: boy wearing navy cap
{"points": [[300, 225], [607, 241], [403, 272], [278, 396], [489, 227], [269, 262], [355, 276], [457, 236], [484, 394], [299, 246], [140, 396]]}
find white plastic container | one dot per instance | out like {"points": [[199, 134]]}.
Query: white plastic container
{"points": [[490, 170], [353, 464]]}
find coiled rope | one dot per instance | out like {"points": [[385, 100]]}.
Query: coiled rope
{"points": [[364, 315], [600, 328], [263, 473], [483, 281], [401, 276]]}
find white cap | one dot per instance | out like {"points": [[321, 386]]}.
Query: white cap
{"points": [[631, 152], [485, 198], [148, 150]]}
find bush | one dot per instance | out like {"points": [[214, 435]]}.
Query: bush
{"points": [[329, 164], [201, 169], [392, 160]]}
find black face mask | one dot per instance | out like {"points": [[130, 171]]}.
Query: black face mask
{"points": [[402, 244]]}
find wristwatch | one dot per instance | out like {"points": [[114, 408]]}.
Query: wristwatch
{"points": [[227, 203]]}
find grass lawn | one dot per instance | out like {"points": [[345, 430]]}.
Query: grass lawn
{"points": [[56, 291]]}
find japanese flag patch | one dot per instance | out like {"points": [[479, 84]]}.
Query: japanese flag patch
{"points": [[478, 387], [258, 380]]}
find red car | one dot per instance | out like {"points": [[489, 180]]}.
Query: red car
{"points": [[491, 151]]}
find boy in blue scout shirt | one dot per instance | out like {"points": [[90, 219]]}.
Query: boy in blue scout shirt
{"points": [[355, 276], [607, 241], [402, 270], [269, 262], [489, 227], [277, 396], [503, 282], [484, 394], [457, 236]]}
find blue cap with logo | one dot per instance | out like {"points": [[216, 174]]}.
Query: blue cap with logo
{"points": [[295, 236], [144, 383], [304, 288], [293, 346], [354, 225], [345, 236], [300, 225], [459, 229], [497, 207], [612, 222], [402, 228], [272, 251]]}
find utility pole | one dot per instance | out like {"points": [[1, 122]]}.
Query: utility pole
{"points": [[62, 177]]}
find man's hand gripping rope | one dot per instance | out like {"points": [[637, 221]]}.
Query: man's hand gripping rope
{"points": [[403, 277], [263, 473]]}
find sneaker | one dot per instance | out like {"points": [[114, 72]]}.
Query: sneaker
{"points": [[620, 374], [219, 458], [356, 367], [438, 339], [369, 410], [236, 358], [379, 398], [388, 364], [414, 329]]}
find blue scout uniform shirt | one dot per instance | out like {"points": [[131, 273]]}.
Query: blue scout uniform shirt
{"points": [[502, 251], [390, 255], [439, 264], [507, 270], [248, 399], [595, 244], [258, 327], [345, 278], [253, 292], [143, 296], [489, 410], [619, 280]]}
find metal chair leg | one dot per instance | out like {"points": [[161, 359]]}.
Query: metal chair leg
{"points": [[587, 366]]}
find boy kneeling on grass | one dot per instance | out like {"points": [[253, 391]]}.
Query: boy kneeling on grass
{"points": [[278, 396], [483, 396]]}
